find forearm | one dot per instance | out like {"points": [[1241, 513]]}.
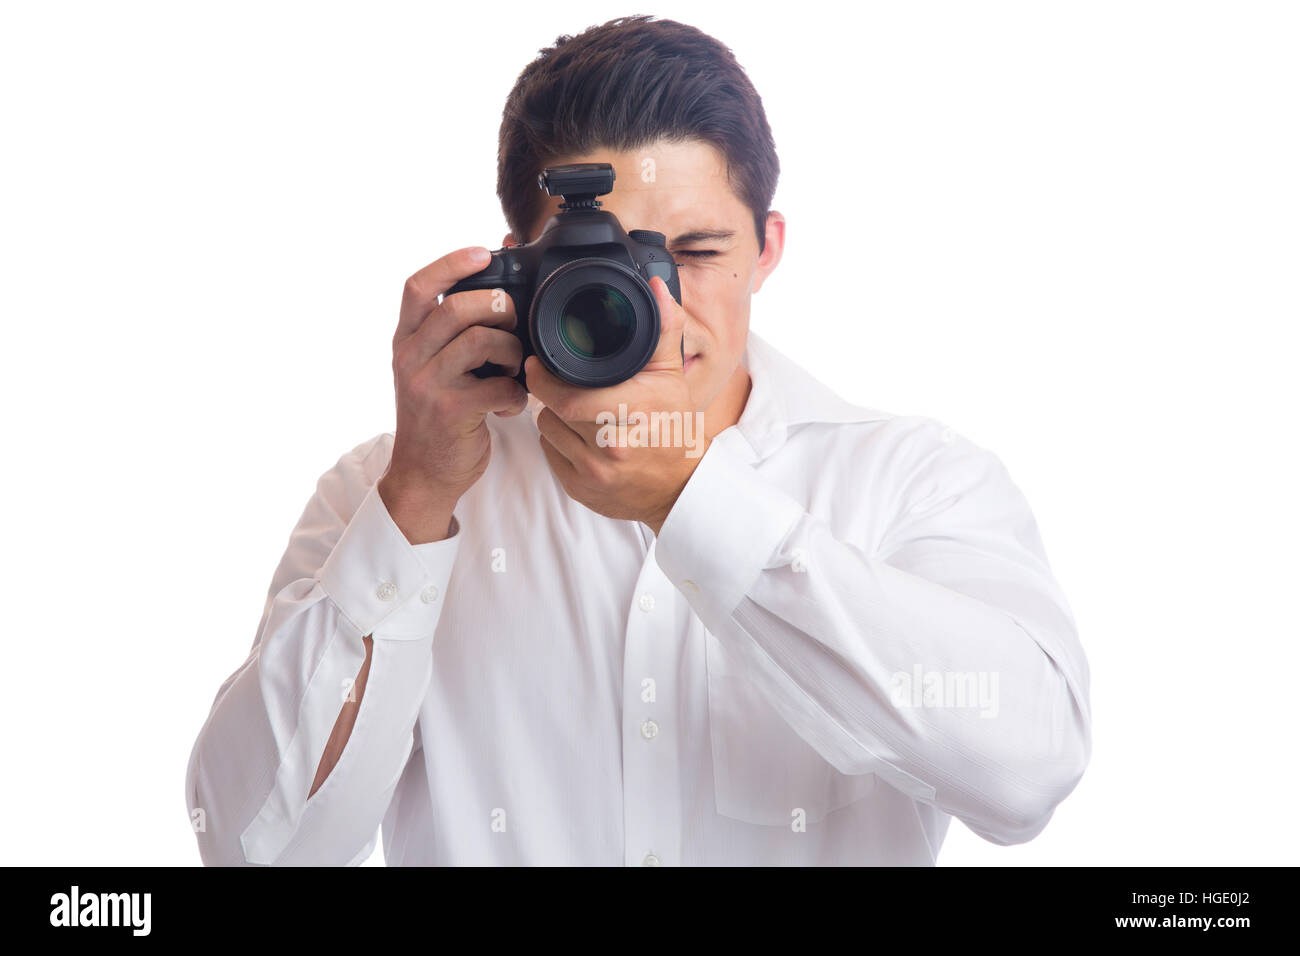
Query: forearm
{"points": [[346, 719], [422, 515]]}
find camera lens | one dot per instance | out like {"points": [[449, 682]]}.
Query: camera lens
{"points": [[593, 322], [597, 322]]}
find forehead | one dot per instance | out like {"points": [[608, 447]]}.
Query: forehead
{"points": [[671, 187]]}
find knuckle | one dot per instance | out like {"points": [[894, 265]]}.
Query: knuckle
{"points": [[413, 288], [450, 308], [401, 361], [477, 337]]}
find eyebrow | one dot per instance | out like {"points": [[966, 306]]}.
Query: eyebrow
{"points": [[705, 235]]}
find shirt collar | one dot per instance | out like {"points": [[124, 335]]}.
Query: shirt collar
{"points": [[783, 395]]}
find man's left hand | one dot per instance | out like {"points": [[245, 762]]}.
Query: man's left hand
{"points": [[612, 479]]}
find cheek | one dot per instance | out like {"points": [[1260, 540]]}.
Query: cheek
{"points": [[716, 305]]}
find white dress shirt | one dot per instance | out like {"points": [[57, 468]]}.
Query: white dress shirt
{"points": [[846, 633]]}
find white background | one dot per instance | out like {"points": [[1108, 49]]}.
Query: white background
{"points": [[1069, 230]]}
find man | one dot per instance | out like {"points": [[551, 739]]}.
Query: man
{"points": [[812, 638]]}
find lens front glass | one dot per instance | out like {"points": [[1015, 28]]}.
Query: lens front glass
{"points": [[596, 322]]}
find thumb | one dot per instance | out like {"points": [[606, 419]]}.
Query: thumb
{"points": [[672, 321]]}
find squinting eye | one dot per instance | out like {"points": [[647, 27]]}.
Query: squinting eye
{"points": [[695, 253]]}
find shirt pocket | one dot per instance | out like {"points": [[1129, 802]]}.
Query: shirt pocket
{"points": [[763, 771]]}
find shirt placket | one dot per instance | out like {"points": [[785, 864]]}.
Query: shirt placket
{"points": [[651, 738]]}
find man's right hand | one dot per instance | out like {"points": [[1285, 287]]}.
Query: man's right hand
{"points": [[441, 444]]}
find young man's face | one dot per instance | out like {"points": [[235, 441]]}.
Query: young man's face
{"points": [[681, 190]]}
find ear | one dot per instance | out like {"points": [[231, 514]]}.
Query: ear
{"points": [[773, 246]]}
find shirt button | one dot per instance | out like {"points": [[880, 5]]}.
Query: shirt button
{"points": [[649, 729], [429, 594], [646, 602], [650, 860], [386, 591]]}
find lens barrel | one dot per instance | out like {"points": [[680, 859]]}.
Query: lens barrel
{"points": [[594, 322]]}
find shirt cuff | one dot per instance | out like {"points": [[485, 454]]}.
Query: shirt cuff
{"points": [[723, 531], [382, 584]]}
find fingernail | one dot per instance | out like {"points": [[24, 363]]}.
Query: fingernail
{"points": [[481, 255]]}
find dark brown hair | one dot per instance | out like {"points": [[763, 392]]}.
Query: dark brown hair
{"points": [[621, 86]]}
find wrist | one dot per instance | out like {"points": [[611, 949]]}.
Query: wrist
{"points": [[421, 515]]}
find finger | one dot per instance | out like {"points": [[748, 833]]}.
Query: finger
{"points": [[512, 412], [476, 345], [564, 439], [578, 407], [499, 394], [422, 289], [672, 322], [487, 307], [550, 391]]}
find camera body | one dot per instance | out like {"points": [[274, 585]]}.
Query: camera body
{"points": [[583, 303]]}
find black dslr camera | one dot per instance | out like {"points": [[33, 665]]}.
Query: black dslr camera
{"points": [[581, 290]]}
